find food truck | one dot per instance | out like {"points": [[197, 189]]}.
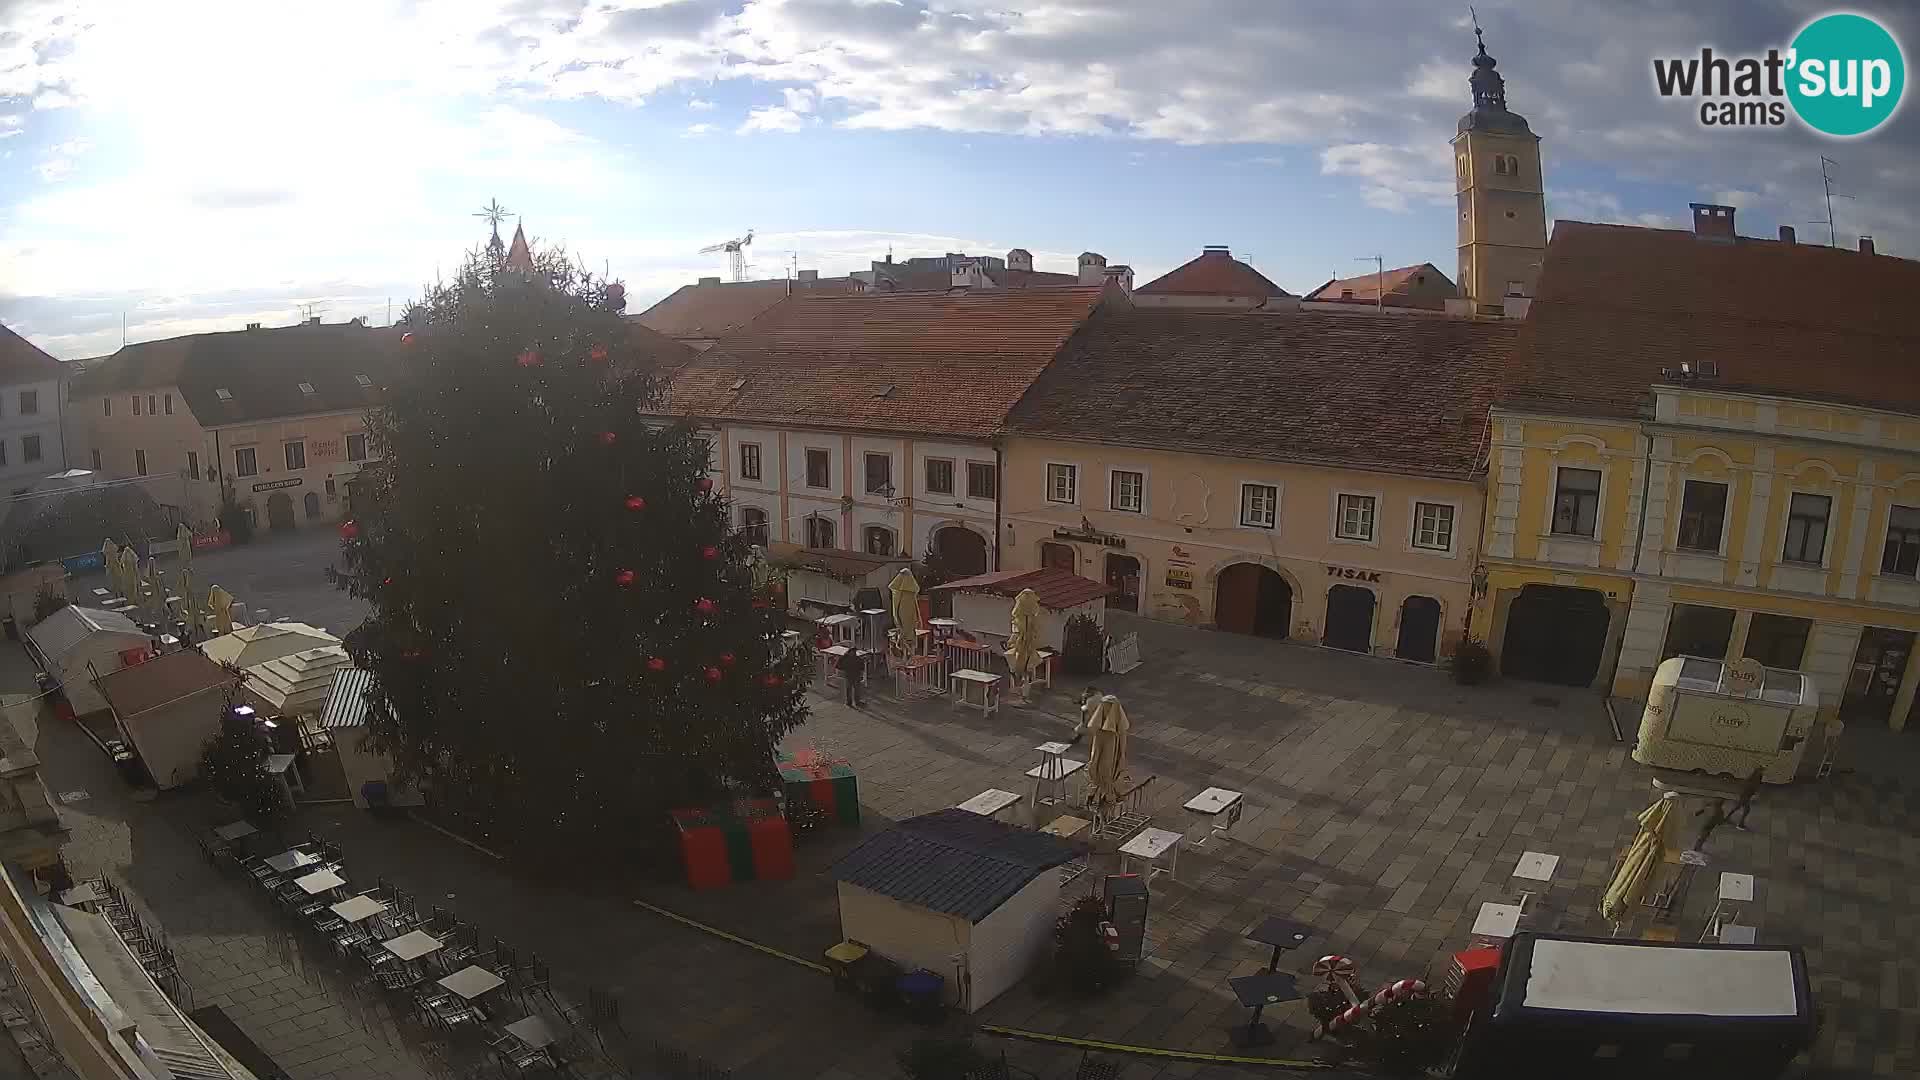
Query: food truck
{"points": [[1727, 718], [1575, 1008]]}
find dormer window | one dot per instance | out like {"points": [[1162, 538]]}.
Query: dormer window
{"points": [[223, 394], [365, 381], [306, 388]]}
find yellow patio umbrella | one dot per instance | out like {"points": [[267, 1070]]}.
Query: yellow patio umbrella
{"points": [[1023, 639], [1630, 881], [1107, 757], [110, 559], [184, 537], [905, 590], [130, 574], [220, 610]]}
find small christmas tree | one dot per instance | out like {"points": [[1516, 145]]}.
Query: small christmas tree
{"points": [[234, 762], [566, 639]]}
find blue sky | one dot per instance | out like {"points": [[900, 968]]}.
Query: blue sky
{"points": [[196, 173]]}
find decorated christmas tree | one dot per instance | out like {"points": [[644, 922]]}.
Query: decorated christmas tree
{"points": [[566, 637]]}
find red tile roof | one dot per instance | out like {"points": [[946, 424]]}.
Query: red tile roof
{"points": [[1422, 286], [1343, 388], [1215, 273], [1058, 589], [924, 363], [715, 309], [1617, 304], [23, 361]]}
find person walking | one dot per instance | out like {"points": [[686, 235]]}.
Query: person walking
{"points": [[853, 672], [1744, 804], [1716, 816]]}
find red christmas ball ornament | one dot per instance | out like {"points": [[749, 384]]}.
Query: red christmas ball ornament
{"points": [[349, 529], [727, 659], [656, 665], [636, 503], [770, 679], [705, 606], [822, 642], [386, 581], [598, 354], [529, 358], [616, 292], [713, 674], [623, 578], [406, 338], [705, 485], [608, 438], [709, 552]]}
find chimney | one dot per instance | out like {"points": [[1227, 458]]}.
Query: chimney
{"points": [[709, 281], [253, 326], [1786, 234], [1216, 250], [1866, 245], [809, 275], [313, 320], [1122, 275], [1020, 259], [1093, 268], [1713, 221]]}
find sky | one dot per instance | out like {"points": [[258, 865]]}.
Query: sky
{"points": [[193, 166]]}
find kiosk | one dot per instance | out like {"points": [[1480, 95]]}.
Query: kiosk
{"points": [[1726, 718]]}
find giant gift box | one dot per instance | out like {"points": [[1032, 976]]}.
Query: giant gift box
{"points": [[745, 841], [826, 784]]}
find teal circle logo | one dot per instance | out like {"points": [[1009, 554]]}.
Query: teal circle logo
{"points": [[1847, 74]]}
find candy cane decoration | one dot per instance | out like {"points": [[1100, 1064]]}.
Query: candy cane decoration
{"points": [[1388, 995], [1329, 966]]}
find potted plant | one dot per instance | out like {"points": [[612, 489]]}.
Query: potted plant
{"points": [[1472, 662], [1084, 647]]}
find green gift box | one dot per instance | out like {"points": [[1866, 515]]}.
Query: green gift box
{"points": [[826, 784]]}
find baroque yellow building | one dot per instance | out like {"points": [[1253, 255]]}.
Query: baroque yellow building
{"points": [[1711, 447]]}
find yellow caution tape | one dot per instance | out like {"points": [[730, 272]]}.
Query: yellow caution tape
{"points": [[735, 938], [1150, 1051]]}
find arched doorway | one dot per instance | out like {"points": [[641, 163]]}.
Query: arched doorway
{"points": [[963, 550], [1419, 628], [1059, 557], [1349, 619], [1555, 634], [1123, 576], [313, 505], [1252, 599], [279, 511]]}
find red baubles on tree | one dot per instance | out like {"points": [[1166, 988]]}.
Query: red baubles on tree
{"points": [[705, 606], [703, 486], [770, 679], [636, 503], [709, 552], [529, 358], [406, 338], [713, 674], [656, 665], [623, 578], [349, 529], [597, 354], [726, 659], [608, 438]]}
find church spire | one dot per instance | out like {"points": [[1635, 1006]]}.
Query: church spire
{"points": [[1489, 89]]}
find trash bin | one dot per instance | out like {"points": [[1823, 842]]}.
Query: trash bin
{"points": [[921, 993], [840, 961]]}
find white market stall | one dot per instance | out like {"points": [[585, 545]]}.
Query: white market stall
{"points": [[297, 684], [984, 604], [966, 897], [253, 645], [1727, 718], [823, 581], [343, 721], [75, 645]]}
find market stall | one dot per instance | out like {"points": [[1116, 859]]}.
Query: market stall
{"points": [[983, 605], [75, 645], [343, 723], [250, 646], [168, 708], [966, 897], [823, 581], [1727, 718]]}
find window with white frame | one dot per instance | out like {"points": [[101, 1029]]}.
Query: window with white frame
{"points": [[749, 461], [1807, 528], [939, 476], [1703, 515], [1353, 517], [982, 480], [357, 446], [296, 454], [819, 532], [1063, 483], [878, 540], [245, 461], [753, 525], [1576, 502], [880, 474], [1902, 552], [1128, 491], [1433, 526], [1259, 505], [819, 469]]}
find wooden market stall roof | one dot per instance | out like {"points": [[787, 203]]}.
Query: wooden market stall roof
{"points": [[844, 565], [161, 681], [1058, 589]]}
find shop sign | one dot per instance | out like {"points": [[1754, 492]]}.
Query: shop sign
{"points": [[1349, 573], [326, 449], [273, 484], [1088, 536], [1179, 578], [212, 540]]}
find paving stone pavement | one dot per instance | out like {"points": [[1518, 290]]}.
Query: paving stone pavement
{"points": [[1384, 804]]}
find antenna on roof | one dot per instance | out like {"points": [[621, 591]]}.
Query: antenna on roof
{"points": [[1379, 275], [1826, 183]]}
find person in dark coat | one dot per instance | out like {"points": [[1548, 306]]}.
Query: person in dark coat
{"points": [[1744, 804], [1716, 816], [853, 672]]}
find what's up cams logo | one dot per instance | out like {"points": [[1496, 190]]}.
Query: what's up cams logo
{"points": [[1843, 75]]}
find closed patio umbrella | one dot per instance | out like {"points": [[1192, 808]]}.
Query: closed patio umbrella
{"points": [[1630, 881], [219, 610], [110, 560], [905, 610], [1023, 639], [184, 537], [1107, 757]]}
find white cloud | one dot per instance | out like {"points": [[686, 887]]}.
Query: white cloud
{"points": [[1393, 177], [697, 130], [773, 118], [699, 105], [58, 160]]}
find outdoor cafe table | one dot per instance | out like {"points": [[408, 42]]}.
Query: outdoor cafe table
{"points": [[356, 908], [533, 1031], [470, 982], [81, 895], [234, 830], [290, 860], [320, 881], [412, 945]]}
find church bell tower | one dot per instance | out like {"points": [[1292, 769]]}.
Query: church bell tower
{"points": [[1501, 199]]}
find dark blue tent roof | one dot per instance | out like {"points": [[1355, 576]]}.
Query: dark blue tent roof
{"points": [[952, 861]]}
